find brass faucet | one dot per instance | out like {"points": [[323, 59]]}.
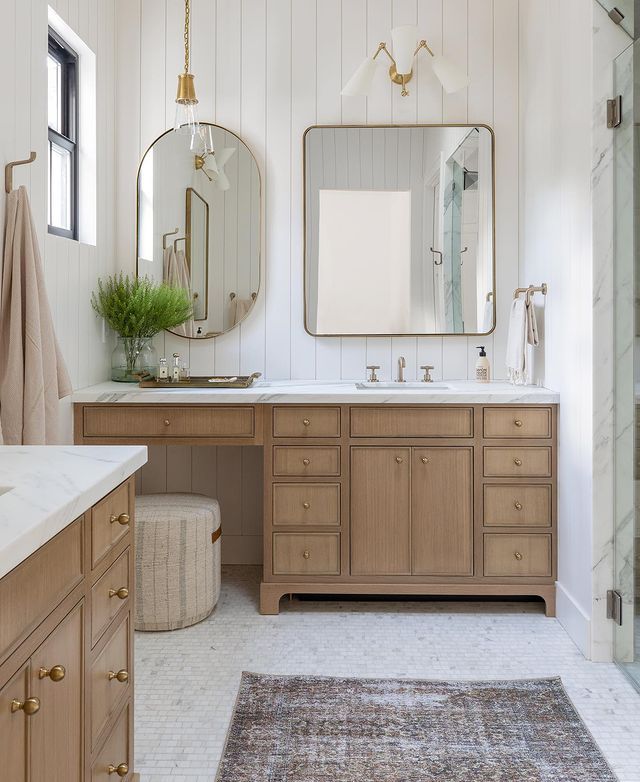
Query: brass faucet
{"points": [[401, 367]]}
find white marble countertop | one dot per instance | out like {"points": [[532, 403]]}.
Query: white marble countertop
{"points": [[319, 392], [43, 488]]}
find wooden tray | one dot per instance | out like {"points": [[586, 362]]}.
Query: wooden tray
{"points": [[211, 381]]}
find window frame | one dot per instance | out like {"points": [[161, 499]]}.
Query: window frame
{"points": [[60, 51]]}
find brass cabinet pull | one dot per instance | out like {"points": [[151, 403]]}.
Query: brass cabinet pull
{"points": [[306, 421], [517, 505], [167, 422], [399, 459], [306, 505], [121, 676], [56, 674], [425, 460], [122, 593], [122, 770], [517, 462], [518, 422], [29, 706], [306, 462], [306, 554], [123, 519], [517, 555]]}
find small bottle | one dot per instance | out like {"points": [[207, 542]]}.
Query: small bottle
{"points": [[176, 367], [483, 368], [163, 372]]}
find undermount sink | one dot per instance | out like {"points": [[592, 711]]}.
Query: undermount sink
{"points": [[415, 385]]}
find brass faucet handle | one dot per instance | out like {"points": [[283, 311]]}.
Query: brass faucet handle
{"points": [[427, 373], [373, 378]]}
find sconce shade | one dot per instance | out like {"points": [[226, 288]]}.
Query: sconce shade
{"points": [[360, 82], [405, 41], [450, 75]]}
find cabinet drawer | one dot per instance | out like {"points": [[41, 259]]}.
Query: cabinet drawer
{"points": [[515, 505], [108, 595], [107, 690], [306, 503], [514, 422], [412, 422], [517, 555], [115, 751], [306, 460], [306, 422], [170, 421], [35, 587], [110, 521], [517, 462], [306, 554]]}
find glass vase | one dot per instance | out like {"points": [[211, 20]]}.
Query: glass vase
{"points": [[132, 358]]}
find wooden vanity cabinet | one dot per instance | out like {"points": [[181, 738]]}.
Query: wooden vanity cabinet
{"points": [[57, 719]]}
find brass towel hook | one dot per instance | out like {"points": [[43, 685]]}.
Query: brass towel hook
{"points": [[164, 237], [175, 242], [8, 170]]}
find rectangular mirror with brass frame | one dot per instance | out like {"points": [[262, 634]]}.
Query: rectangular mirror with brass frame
{"points": [[399, 230], [197, 246]]}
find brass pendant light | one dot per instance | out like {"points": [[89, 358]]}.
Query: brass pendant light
{"points": [[186, 101]]}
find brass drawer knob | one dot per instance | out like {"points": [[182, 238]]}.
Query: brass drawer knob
{"points": [[306, 462], [399, 459], [123, 519], [517, 555], [167, 422], [122, 593], [517, 505], [29, 706], [56, 674], [122, 770], [306, 505], [518, 422], [306, 554], [306, 422], [425, 460], [517, 462], [121, 676]]}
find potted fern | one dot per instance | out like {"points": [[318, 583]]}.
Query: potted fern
{"points": [[137, 309]]}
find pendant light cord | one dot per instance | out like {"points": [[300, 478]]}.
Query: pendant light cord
{"points": [[187, 54]]}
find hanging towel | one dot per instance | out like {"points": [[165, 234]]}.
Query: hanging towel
{"points": [[487, 316], [177, 275], [33, 375], [523, 331], [238, 308]]}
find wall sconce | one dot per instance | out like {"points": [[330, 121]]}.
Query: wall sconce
{"points": [[212, 166], [406, 47]]}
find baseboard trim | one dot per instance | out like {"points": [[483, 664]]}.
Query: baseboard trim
{"points": [[574, 620]]}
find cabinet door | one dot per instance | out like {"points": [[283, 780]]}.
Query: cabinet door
{"points": [[56, 731], [380, 524], [442, 511], [13, 727]]}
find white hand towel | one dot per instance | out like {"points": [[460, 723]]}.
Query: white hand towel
{"points": [[487, 317], [523, 331]]}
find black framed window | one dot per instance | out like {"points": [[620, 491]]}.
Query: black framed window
{"points": [[62, 81]]}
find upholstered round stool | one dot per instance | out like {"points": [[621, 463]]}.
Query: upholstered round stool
{"points": [[177, 560]]}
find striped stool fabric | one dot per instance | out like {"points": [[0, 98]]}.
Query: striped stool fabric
{"points": [[177, 566]]}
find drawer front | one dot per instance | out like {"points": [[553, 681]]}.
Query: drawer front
{"points": [[306, 503], [109, 594], [35, 587], [515, 505], [110, 678], [306, 554], [306, 460], [169, 421], [532, 422], [110, 521], [412, 422], [115, 751], [306, 422], [517, 555], [517, 462]]}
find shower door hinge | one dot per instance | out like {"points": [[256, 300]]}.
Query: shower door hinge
{"points": [[614, 112], [616, 15], [614, 606]]}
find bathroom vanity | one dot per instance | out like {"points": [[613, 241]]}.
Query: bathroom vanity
{"points": [[432, 490], [66, 624]]}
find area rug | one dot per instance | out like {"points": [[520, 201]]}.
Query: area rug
{"points": [[316, 729]]}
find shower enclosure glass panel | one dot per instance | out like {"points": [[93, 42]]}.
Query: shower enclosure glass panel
{"points": [[625, 8]]}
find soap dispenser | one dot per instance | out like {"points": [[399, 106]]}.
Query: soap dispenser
{"points": [[483, 368]]}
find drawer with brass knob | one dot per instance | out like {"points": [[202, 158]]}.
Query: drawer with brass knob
{"points": [[517, 555], [29, 706], [306, 421], [111, 521], [517, 505], [306, 460], [306, 504], [110, 678], [515, 462], [56, 673], [306, 554], [517, 422], [112, 760], [109, 595]]}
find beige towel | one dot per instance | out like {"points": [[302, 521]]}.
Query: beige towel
{"points": [[33, 375], [523, 331], [177, 274], [238, 308]]}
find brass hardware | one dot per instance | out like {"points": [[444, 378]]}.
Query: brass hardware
{"points": [[517, 505], [518, 422], [30, 706], [179, 239], [439, 254], [517, 462], [56, 674], [306, 505], [306, 554], [306, 421], [193, 194], [614, 112], [373, 378], [517, 555], [122, 593], [8, 171], [530, 290], [121, 676], [306, 462], [164, 237], [399, 459], [427, 373], [425, 460], [123, 519], [122, 770], [167, 422], [186, 93]]}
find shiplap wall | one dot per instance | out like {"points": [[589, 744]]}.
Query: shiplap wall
{"points": [[71, 269], [267, 70]]}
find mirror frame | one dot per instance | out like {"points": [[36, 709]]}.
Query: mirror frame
{"points": [[261, 274], [493, 227], [191, 192]]}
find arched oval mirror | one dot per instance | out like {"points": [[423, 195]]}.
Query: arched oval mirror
{"points": [[198, 225]]}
